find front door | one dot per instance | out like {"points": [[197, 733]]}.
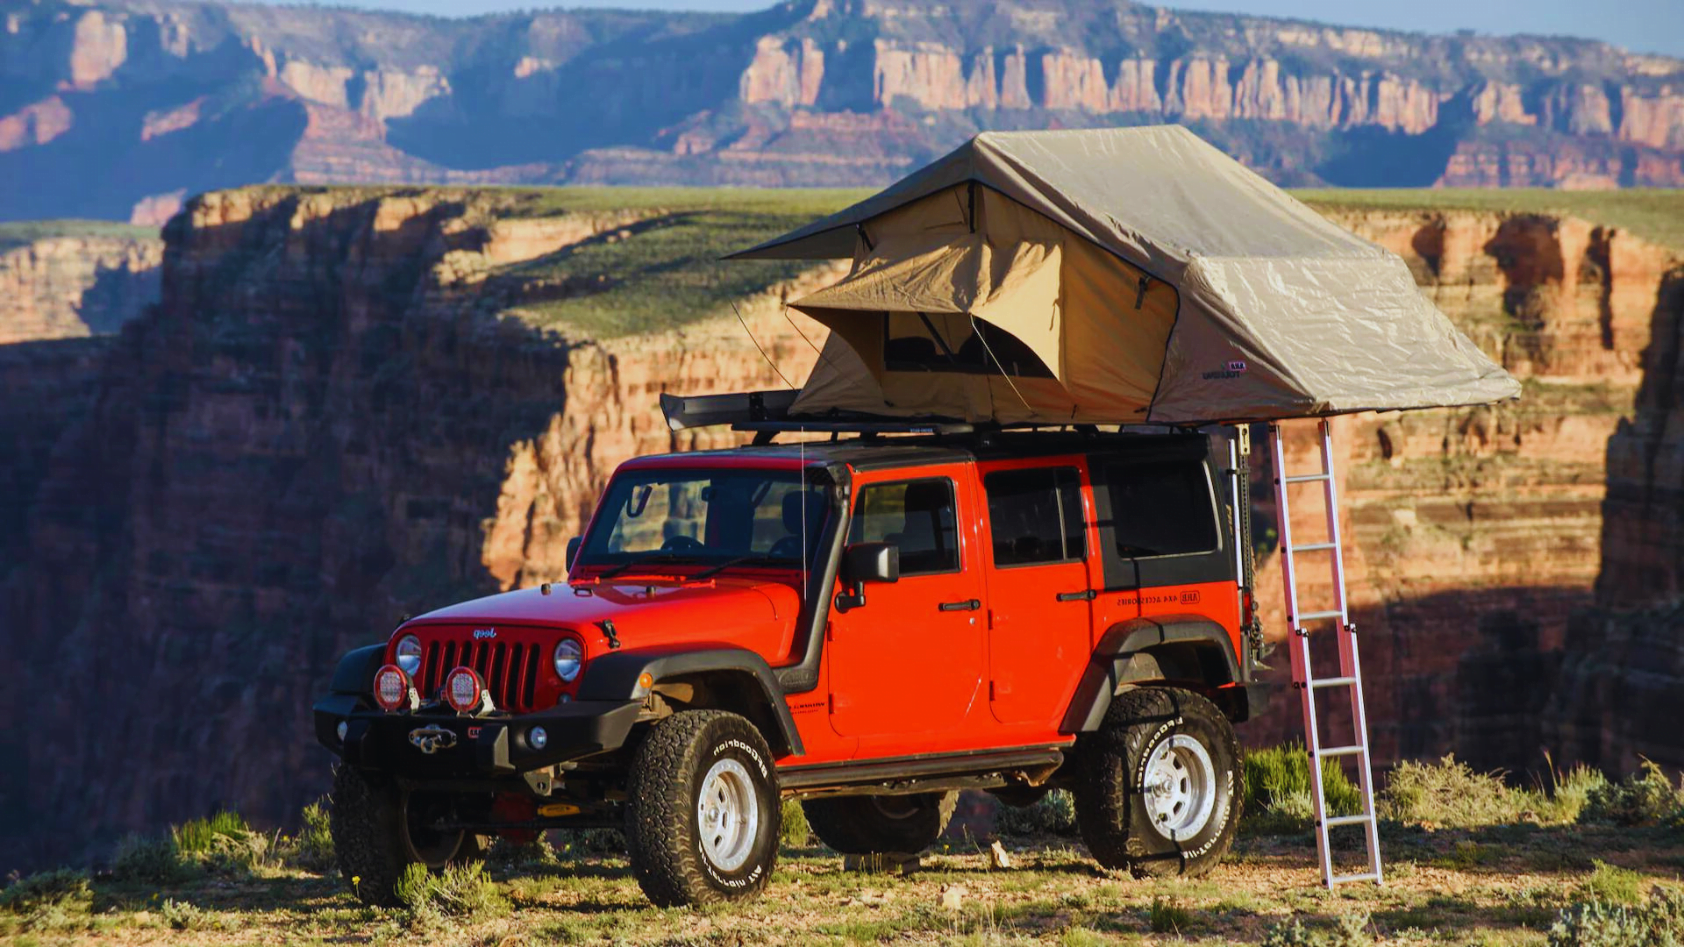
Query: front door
{"points": [[1036, 542], [910, 660]]}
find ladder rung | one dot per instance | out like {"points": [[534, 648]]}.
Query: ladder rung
{"points": [[1317, 616], [1339, 820], [1302, 478], [1332, 681], [1314, 547], [1365, 876], [1340, 751]]}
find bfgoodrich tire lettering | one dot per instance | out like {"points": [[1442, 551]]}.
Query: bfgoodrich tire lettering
{"points": [[868, 825], [681, 845], [1158, 786]]}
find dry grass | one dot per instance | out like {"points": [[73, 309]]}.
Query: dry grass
{"points": [[1500, 884]]}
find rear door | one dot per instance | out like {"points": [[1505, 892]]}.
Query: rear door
{"points": [[910, 661], [1035, 539]]}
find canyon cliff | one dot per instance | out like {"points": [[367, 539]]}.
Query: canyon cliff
{"points": [[355, 404], [65, 284], [120, 108]]}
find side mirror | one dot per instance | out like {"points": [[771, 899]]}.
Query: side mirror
{"points": [[866, 562], [572, 551], [871, 562]]}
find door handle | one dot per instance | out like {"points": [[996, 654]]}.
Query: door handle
{"points": [[1086, 595], [969, 605]]}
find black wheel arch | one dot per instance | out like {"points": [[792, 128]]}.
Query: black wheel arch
{"points": [[1182, 649], [355, 672], [733, 679]]}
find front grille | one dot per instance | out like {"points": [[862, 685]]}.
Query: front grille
{"points": [[510, 670]]}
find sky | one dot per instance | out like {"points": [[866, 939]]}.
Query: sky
{"points": [[1655, 26]]}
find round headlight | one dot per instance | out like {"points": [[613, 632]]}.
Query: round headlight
{"points": [[409, 654], [569, 656]]}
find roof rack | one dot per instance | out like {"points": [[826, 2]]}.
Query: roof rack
{"points": [[767, 412]]}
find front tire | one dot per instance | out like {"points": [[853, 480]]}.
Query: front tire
{"points": [[872, 825], [703, 814], [380, 830], [1158, 786]]}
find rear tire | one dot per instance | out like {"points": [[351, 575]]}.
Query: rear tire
{"points": [[1158, 786], [379, 831], [703, 815], [871, 825]]}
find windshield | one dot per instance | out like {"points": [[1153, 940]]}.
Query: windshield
{"points": [[765, 518]]}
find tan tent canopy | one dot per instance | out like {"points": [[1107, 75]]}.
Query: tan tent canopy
{"points": [[1117, 276]]}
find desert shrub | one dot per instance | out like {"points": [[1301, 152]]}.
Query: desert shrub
{"points": [[184, 916], [1289, 934], [222, 842], [795, 832], [1572, 791], [60, 888], [1052, 814], [1610, 884], [50, 900], [1165, 917], [537, 853], [1646, 797], [1277, 789], [312, 849], [1657, 922], [150, 860], [458, 891], [1350, 930], [1449, 793]]}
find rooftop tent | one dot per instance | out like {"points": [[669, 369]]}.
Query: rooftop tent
{"points": [[1116, 276]]}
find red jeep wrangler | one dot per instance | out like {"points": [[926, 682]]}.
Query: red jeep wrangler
{"points": [[868, 624]]}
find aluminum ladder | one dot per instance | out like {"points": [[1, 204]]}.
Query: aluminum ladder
{"points": [[1350, 668]]}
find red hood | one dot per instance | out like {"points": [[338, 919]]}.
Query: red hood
{"points": [[736, 611]]}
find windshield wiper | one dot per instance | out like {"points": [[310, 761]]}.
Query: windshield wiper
{"points": [[650, 559], [740, 560]]}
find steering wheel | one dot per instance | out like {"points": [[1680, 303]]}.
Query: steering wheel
{"points": [[680, 543]]}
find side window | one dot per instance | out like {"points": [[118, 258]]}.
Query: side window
{"points": [[1035, 516], [917, 516], [1162, 509]]}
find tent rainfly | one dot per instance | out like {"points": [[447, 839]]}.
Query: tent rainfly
{"points": [[1123, 275]]}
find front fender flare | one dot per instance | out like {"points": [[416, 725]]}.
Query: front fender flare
{"points": [[614, 676], [1124, 656], [355, 672]]}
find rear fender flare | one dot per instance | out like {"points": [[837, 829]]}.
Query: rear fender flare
{"points": [[1142, 650], [616, 675]]}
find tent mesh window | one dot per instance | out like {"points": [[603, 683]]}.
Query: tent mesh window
{"points": [[914, 343]]}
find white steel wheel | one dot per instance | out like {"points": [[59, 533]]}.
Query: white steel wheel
{"points": [[727, 815], [1179, 786]]}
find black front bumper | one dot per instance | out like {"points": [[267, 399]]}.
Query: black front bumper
{"points": [[469, 746]]}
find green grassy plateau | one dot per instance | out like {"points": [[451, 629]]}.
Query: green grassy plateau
{"points": [[22, 232]]}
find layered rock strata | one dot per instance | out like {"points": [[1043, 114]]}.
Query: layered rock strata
{"points": [[116, 105], [60, 287]]}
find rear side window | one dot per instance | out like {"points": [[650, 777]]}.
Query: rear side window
{"points": [[1162, 509], [917, 516], [1035, 516]]}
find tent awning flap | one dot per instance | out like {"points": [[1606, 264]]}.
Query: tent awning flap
{"points": [[1154, 277]]}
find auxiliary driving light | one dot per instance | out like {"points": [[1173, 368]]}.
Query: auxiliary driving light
{"points": [[464, 691], [392, 689], [538, 737], [343, 728]]}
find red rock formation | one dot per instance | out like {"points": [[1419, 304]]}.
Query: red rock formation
{"points": [[59, 287]]}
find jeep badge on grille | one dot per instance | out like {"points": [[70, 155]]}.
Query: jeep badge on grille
{"points": [[480, 634]]}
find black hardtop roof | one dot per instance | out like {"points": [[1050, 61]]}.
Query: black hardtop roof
{"points": [[877, 453]]}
